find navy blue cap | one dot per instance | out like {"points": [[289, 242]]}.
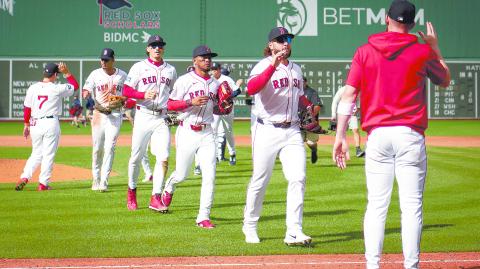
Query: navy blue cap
{"points": [[156, 39], [402, 11], [51, 68], [277, 32], [215, 66], [107, 54], [225, 71], [203, 50]]}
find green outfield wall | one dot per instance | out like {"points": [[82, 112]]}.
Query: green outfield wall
{"points": [[327, 33]]}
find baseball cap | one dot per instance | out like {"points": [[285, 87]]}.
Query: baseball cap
{"points": [[402, 11], [277, 32], [203, 50], [156, 39], [107, 54], [51, 68], [225, 71], [215, 66]]}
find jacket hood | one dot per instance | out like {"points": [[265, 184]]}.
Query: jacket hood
{"points": [[391, 44]]}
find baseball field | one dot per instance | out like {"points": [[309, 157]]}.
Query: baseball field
{"points": [[72, 221]]}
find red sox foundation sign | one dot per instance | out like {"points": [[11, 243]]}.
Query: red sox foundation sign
{"points": [[123, 23]]}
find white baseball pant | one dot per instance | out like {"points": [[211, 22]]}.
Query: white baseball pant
{"points": [[394, 152], [153, 129], [105, 130], [45, 135], [267, 143], [203, 143]]}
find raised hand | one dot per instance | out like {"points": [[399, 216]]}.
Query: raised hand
{"points": [[431, 37]]}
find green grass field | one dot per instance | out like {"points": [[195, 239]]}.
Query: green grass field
{"points": [[73, 221]]}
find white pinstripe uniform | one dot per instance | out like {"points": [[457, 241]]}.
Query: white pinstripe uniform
{"points": [[150, 119], [188, 141], [105, 128], [275, 104]]}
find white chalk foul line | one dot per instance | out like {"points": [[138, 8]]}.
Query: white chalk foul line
{"points": [[209, 265]]}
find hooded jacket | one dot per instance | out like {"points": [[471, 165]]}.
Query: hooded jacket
{"points": [[391, 71]]}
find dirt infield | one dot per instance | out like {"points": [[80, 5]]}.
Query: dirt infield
{"points": [[125, 140], [330, 261], [11, 169]]}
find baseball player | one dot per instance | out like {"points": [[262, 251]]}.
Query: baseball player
{"points": [[352, 123], [277, 86], [90, 106], [224, 134], [150, 82], [102, 83], [391, 73], [194, 95], [310, 138], [42, 106]]}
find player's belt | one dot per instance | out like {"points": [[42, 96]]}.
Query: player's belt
{"points": [[196, 128], [150, 111], [285, 124], [45, 117]]}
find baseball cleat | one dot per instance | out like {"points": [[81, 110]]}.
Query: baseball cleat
{"points": [[21, 184], [157, 205], [42, 187], [132, 199], [197, 171], [360, 153], [233, 159], [148, 178], [206, 224], [166, 198], [297, 239], [251, 236]]}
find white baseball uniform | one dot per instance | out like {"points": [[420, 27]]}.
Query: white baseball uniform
{"points": [[276, 132], [105, 127], [223, 124], [45, 101], [150, 119], [194, 134]]}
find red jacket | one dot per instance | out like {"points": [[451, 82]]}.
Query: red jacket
{"points": [[391, 72]]}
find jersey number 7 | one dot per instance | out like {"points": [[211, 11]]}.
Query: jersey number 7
{"points": [[43, 99]]}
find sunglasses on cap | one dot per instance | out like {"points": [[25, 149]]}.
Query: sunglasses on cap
{"points": [[156, 45], [283, 39]]}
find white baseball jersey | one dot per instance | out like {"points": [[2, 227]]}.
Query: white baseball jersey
{"points": [[102, 85], [145, 76], [278, 100], [190, 86], [45, 99]]}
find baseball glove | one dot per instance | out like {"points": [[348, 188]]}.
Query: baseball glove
{"points": [[308, 122], [172, 118], [224, 100], [332, 125], [116, 101]]}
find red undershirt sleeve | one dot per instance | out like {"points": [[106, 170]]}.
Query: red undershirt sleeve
{"points": [[256, 84], [73, 81], [27, 113], [178, 105], [132, 93]]}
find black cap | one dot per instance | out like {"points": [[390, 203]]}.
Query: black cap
{"points": [[225, 71], [278, 31], [51, 68], [156, 39], [215, 66], [107, 54], [402, 11], [203, 51]]}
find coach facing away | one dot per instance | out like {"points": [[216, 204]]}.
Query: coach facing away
{"points": [[391, 72]]}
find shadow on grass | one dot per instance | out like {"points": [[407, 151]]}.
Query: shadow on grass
{"points": [[356, 235]]}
